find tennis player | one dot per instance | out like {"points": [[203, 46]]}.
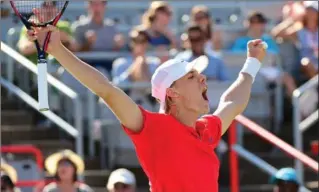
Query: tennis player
{"points": [[175, 146]]}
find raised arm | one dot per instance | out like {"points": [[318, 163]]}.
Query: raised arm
{"points": [[236, 97], [122, 105]]}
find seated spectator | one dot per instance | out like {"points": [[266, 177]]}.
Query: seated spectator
{"points": [[94, 33], [121, 180], [9, 177], [256, 24], [307, 38], [156, 20], [65, 166], [286, 180], [200, 15], [136, 68], [216, 69], [28, 48]]}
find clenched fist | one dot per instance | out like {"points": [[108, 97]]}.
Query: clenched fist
{"points": [[39, 33], [257, 49]]}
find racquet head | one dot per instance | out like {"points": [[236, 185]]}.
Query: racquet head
{"points": [[39, 13]]}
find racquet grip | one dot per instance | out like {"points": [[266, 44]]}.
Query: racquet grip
{"points": [[43, 87]]}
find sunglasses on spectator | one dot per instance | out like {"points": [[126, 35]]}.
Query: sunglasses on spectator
{"points": [[121, 186]]}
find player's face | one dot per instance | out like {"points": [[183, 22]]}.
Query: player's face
{"points": [[191, 93]]}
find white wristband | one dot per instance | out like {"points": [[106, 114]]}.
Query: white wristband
{"points": [[251, 67]]}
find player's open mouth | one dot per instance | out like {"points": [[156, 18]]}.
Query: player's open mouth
{"points": [[204, 94]]}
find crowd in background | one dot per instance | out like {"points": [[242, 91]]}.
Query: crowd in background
{"points": [[298, 28], [93, 32]]}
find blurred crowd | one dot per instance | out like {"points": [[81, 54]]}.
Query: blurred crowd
{"points": [[294, 39], [65, 167]]}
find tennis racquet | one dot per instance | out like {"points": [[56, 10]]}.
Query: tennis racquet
{"points": [[40, 14]]}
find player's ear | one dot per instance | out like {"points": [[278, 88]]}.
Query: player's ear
{"points": [[170, 92]]}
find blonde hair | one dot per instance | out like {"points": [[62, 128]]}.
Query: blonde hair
{"points": [[199, 9], [149, 15]]}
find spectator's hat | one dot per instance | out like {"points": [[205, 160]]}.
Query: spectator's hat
{"points": [[311, 4], [51, 163], [10, 171], [170, 71], [286, 174], [120, 176]]}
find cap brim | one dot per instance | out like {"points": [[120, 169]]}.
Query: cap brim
{"points": [[119, 179], [199, 64]]}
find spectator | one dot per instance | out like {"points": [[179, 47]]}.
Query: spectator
{"points": [[286, 180], [65, 166], [28, 48], [216, 69], [9, 177], [136, 68], [156, 20], [307, 38], [121, 180], [200, 16], [256, 30], [94, 33], [256, 25]]}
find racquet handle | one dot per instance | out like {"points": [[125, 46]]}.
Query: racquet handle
{"points": [[43, 87]]}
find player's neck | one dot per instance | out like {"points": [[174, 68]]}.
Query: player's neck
{"points": [[186, 117]]}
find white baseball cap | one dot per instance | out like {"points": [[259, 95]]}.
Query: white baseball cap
{"points": [[120, 176], [170, 71]]}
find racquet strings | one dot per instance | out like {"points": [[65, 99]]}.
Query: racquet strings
{"points": [[41, 12]]}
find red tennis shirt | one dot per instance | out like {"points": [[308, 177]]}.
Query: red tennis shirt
{"points": [[176, 157]]}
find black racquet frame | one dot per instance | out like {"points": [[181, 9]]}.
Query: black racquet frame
{"points": [[29, 25]]}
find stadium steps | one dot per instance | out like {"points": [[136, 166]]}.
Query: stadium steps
{"points": [[16, 117]]}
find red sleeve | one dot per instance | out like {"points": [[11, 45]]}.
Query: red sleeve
{"points": [[214, 125], [147, 130]]}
